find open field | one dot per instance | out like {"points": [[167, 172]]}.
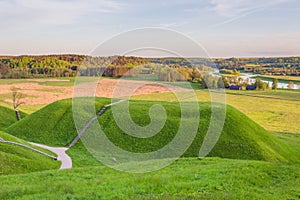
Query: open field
{"points": [[248, 162], [35, 90], [282, 79], [281, 117], [210, 178], [275, 111]]}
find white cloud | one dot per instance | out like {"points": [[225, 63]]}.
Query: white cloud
{"points": [[173, 24], [54, 11], [233, 8]]}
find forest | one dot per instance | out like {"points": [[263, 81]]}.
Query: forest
{"points": [[196, 70]]}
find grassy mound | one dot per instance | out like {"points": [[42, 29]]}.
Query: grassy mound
{"points": [[8, 117], [52, 125], [15, 159], [241, 138], [190, 178]]}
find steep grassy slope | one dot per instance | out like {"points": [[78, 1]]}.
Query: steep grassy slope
{"points": [[7, 117], [15, 159], [210, 178], [52, 125], [241, 138]]}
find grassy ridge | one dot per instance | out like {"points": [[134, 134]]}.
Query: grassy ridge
{"points": [[241, 137], [210, 178], [15, 159]]}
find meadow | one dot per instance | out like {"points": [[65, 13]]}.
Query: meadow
{"points": [[188, 178], [256, 157]]}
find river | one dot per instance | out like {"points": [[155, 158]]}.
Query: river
{"points": [[280, 84]]}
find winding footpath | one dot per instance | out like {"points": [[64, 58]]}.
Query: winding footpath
{"points": [[91, 121], [66, 161]]}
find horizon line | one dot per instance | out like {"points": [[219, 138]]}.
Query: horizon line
{"points": [[188, 57]]}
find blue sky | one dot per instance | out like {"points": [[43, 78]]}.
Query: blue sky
{"points": [[225, 28]]}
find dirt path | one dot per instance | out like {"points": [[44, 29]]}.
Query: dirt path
{"points": [[66, 161]]}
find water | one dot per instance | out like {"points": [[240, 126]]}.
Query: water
{"points": [[280, 84], [251, 80]]}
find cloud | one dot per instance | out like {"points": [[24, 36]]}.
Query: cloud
{"points": [[173, 24], [233, 8], [54, 11]]}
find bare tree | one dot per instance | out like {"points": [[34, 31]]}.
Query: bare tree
{"points": [[17, 101]]}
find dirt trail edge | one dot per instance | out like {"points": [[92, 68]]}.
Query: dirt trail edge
{"points": [[27, 147]]}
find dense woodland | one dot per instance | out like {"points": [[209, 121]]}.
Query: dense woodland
{"points": [[65, 66]]}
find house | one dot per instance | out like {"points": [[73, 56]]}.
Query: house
{"points": [[251, 87], [235, 87]]}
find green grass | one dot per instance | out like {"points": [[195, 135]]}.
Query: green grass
{"points": [[281, 79], [81, 157], [278, 114], [278, 94], [16, 160], [8, 117], [52, 125], [211, 178], [62, 81], [241, 138]]}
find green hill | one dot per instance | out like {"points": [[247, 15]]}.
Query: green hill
{"points": [[241, 138], [15, 159], [52, 125], [7, 117]]}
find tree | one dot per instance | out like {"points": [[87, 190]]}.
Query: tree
{"points": [[16, 99], [275, 84], [214, 84], [196, 75], [226, 82], [4, 70], [221, 83], [265, 86], [258, 83], [291, 85]]}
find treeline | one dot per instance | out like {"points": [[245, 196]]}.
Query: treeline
{"points": [[195, 75], [65, 66]]}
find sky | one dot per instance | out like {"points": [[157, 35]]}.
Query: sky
{"points": [[223, 28]]}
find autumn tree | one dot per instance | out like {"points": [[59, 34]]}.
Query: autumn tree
{"points": [[275, 84]]}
